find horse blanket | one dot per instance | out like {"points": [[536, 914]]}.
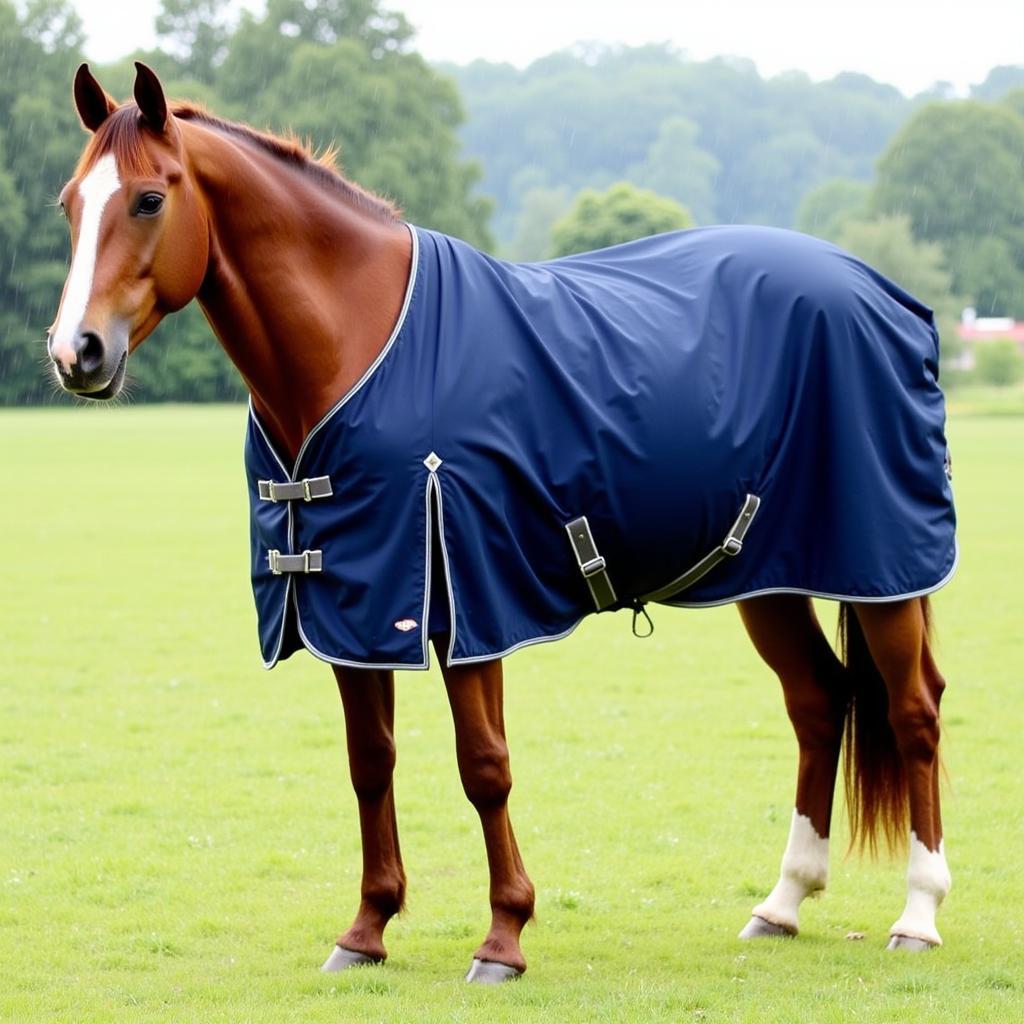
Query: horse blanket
{"points": [[648, 387]]}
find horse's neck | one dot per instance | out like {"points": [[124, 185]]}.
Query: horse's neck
{"points": [[303, 288]]}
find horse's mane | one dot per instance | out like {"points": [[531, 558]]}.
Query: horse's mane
{"points": [[122, 134]]}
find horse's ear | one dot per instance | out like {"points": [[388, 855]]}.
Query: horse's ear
{"points": [[93, 103], [149, 94]]}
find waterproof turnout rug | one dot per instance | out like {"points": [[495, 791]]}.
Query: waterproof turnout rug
{"points": [[650, 388]]}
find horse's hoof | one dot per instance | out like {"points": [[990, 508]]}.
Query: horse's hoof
{"points": [[341, 959], [909, 944], [487, 972], [759, 928]]}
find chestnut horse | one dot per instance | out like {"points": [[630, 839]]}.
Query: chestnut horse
{"points": [[302, 275]]}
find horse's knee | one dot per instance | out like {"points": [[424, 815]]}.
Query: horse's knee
{"points": [[486, 775]]}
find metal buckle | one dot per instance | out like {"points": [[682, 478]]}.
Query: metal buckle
{"points": [[272, 558], [594, 566], [306, 496], [732, 546], [305, 561]]}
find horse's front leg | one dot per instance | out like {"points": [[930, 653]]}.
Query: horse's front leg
{"points": [[475, 695], [368, 697]]}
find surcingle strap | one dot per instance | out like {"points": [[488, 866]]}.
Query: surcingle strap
{"points": [[591, 563], [729, 548], [307, 561], [296, 490]]}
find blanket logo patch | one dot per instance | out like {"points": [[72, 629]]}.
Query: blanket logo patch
{"points": [[406, 624]]}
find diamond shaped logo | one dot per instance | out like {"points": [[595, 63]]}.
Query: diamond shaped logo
{"points": [[433, 461]]}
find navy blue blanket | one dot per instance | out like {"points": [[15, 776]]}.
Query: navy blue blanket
{"points": [[649, 387]]}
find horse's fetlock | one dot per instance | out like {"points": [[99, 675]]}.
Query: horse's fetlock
{"points": [[386, 894]]}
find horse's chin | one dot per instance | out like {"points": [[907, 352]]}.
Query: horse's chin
{"points": [[112, 388]]}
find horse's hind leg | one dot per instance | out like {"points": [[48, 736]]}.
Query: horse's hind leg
{"points": [[369, 700], [786, 633], [475, 695], [897, 638]]}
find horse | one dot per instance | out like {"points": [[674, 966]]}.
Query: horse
{"points": [[306, 279]]}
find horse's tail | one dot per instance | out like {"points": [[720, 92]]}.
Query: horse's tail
{"points": [[875, 781]]}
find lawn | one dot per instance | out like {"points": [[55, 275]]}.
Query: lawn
{"points": [[178, 839]]}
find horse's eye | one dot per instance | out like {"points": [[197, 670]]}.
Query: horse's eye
{"points": [[149, 204]]}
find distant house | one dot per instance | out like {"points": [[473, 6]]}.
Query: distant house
{"points": [[978, 330]]}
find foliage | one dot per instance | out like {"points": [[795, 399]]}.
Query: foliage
{"points": [[330, 70], [542, 207], [184, 820], [677, 167], [825, 210], [998, 362], [955, 170], [621, 214], [730, 145]]}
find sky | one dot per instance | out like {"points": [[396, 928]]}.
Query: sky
{"points": [[908, 43]]}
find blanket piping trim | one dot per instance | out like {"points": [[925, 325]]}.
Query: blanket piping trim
{"points": [[825, 597], [289, 593]]}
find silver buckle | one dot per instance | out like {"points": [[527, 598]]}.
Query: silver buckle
{"points": [[273, 555], [306, 496], [732, 546], [594, 566]]}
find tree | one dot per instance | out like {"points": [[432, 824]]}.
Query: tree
{"points": [[999, 81], [676, 166], [825, 210], [955, 170], [621, 214], [337, 72], [998, 362], [542, 207], [197, 33]]}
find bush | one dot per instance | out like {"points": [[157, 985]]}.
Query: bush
{"points": [[998, 362]]}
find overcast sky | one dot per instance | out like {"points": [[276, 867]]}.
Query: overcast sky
{"points": [[909, 43]]}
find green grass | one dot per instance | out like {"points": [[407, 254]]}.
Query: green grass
{"points": [[178, 839]]}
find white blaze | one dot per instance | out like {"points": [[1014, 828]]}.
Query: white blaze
{"points": [[928, 881], [96, 189], [804, 871]]}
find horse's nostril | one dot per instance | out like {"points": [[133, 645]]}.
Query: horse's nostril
{"points": [[90, 354]]}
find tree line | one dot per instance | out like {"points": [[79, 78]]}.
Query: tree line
{"points": [[565, 154]]}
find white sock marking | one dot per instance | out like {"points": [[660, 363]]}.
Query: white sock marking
{"points": [[96, 189], [928, 881], [804, 871]]}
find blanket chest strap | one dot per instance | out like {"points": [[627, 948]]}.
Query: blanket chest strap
{"points": [[591, 564], [307, 561], [295, 490]]}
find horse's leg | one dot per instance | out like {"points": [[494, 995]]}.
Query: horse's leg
{"points": [[897, 638], [786, 633], [475, 695], [369, 700]]}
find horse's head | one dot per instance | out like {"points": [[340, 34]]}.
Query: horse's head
{"points": [[139, 235]]}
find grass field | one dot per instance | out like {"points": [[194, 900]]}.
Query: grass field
{"points": [[178, 839]]}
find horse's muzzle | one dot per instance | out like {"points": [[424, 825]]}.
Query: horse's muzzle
{"points": [[93, 370]]}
